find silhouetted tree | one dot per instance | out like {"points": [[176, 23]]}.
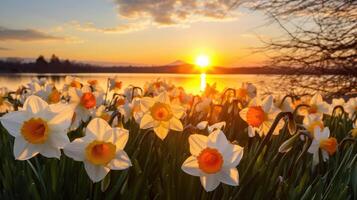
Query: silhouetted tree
{"points": [[320, 35], [54, 59], [41, 61]]}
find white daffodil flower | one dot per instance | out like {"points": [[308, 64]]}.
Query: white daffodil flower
{"points": [[214, 159], [161, 115], [351, 107], [313, 121], [260, 115], [101, 149], [336, 102], [38, 129], [317, 106], [84, 102], [323, 141]]}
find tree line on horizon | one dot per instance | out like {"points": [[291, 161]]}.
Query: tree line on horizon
{"points": [[56, 65]]}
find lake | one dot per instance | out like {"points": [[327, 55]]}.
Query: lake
{"points": [[192, 83]]}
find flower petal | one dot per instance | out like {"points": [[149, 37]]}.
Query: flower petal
{"points": [[120, 137], [202, 125], [96, 172], [120, 162], [197, 143], [49, 151], [146, 103], [161, 132], [23, 150], [75, 149], [229, 176], [217, 139], [209, 182], [190, 166], [35, 104], [100, 128], [175, 124], [177, 111], [163, 98], [267, 103], [146, 121], [232, 155], [13, 121], [58, 139]]}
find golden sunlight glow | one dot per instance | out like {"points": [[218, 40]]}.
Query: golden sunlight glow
{"points": [[203, 81], [202, 61]]}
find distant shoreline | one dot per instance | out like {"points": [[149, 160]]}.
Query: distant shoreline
{"points": [[67, 67]]}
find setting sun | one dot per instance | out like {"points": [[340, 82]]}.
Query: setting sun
{"points": [[202, 61]]}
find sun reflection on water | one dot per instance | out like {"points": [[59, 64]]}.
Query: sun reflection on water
{"points": [[203, 82]]}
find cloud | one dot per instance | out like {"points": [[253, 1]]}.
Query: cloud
{"points": [[4, 49], [171, 12], [123, 28], [26, 35]]}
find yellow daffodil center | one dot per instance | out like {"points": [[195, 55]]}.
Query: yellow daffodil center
{"points": [[100, 153], [329, 145], [75, 84], [315, 124], [210, 161], [312, 109], [54, 97], [35, 131], [256, 116], [88, 100], [242, 93], [161, 112]]}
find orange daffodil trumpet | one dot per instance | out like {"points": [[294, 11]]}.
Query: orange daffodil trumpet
{"points": [[323, 141], [101, 149], [214, 160], [260, 115], [161, 115], [38, 129]]}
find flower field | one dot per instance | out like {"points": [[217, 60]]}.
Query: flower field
{"points": [[156, 141]]}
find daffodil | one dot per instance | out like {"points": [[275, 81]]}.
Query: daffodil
{"points": [[313, 121], [157, 86], [246, 92], [351, 107], [72, 82], [336, 102], [214, 159], [38, 129], [49, 93], [161, 115], [84, 102], [101, 149], [260, 115], [115, 83], [316, 106], [131, 109], [5, 105], [322, 141]]}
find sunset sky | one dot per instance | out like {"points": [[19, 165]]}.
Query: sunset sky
{"points": [[133, 31]]}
